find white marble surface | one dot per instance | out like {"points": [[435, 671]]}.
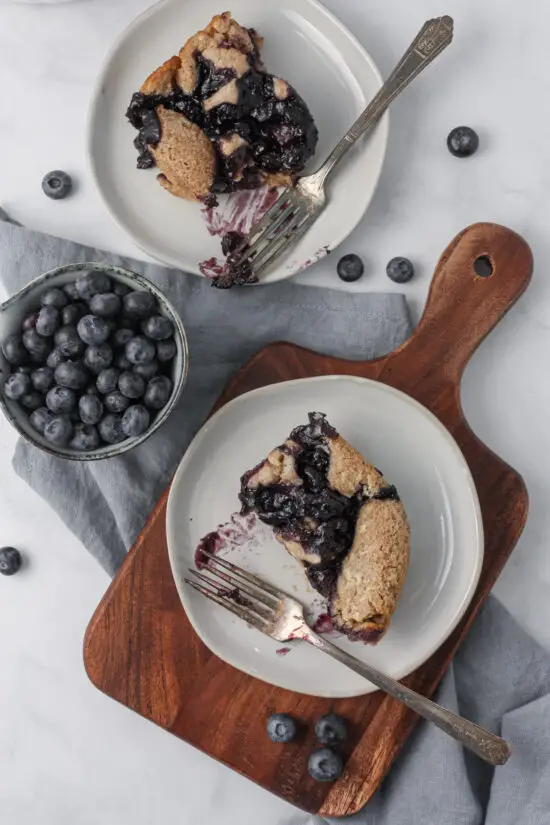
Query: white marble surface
{"points": [[68, 755]]}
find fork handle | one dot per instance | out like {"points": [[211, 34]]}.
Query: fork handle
{"points": [[485, 744], [434, 36]]}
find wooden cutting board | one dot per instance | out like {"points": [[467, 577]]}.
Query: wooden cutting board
{"points": [[140, 648]]}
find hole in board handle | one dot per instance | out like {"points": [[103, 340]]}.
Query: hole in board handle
{"points": [[483, 266]]}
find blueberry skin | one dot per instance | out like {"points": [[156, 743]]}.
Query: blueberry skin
{"points": [[57, 185], [110, 429], [32, 400], [72, 374], [122, 362], [68, 341], [158, 392], [350, 268], [85, 438], [10, 561], [135, 420], [281, 728], [122, 336], [140, 350], [147, 371], [70, 315], [105, 304], [17, 386], [91, 283], [55, 358], [14, 351], [90, 409], [59, 430], [98, 358], [47, 321], [38, 347], [54, 297], [331, 729], [61, 400], [39, 418], [121, 289], [93, 330], [139, 304], [30, 321], [115, 402], [131, 385], [42, 379], [324, 765], [463, 142], [166, 351], [157, 327], [26, 369], [400, 270], [107, 380], [71, 291]]}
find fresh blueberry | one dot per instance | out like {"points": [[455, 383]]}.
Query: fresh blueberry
{"points": [[32, 400], [122, 336], [55, 358], [140, 350], [38, 347], [105, 304], [324, 765], [110, 429], [30, 321], [350, 268], [131, 385], [121, 289], [60, 400], [166, 351], [71, 291], [17, 386], [10, 561], [54, 297], [39, 418], [331, 729], [115, 402], [139, 304], [400, 270], [57, 185], [90, 409], [72, 374], [122, 362], [147, 371], [47, 321], [85, 438], [157, 392], [463, 142], [59, 430], [135, 420], [42, 379], [91, 283], [281, 727], [98, 358], [70, 315], [93, 330], [68, 341], [14, 351], [157, 327], [107, 380]]}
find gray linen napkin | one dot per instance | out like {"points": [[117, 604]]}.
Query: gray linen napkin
{"points": [[106, 503]]}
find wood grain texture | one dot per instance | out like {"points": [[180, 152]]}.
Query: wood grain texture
{"points": [[140, 648]]}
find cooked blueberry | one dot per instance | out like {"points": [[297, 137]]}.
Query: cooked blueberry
{"points": [[281, 727], [57, 184], [90, 409], [131, 385], [324, 765], [42, 379], [14, 351], [122, 336], [140, 350], [39, 418], [105, 304], [10, 561], [71, 291], [157, 392], [139, 304], [72, 374], [400, 270], [47, 321], [30, 321], [36, 345], [463, 142], [135, 420], [54, 297], [60, 400], [68, 341], [110, 429], [85, 438], [115, 402], [98, 358], [350, 268], [91, 283], [70, 315], [93, 330], [17, 386], [32, 400], [107, 380], [147, 371], [59, 430], [158, 327], [55, 358], [331, 729], [121, 289], [122, 362], [166, 350]]}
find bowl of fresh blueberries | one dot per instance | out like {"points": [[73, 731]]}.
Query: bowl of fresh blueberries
{"points": [[93, 359]]}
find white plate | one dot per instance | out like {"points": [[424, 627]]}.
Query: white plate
{"points": [[415, 452], [305, 44]]}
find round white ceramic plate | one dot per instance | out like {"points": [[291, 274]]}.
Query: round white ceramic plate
{"points": [[305, 44], [414, 451]]}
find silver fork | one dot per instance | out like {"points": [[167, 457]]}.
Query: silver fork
{"points": [[296, 209], [282, 618]]}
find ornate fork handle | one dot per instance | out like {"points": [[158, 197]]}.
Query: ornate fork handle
{"points": [[433, 37]]}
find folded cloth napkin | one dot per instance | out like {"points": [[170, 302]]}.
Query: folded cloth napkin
{"points": [[106, 503]]}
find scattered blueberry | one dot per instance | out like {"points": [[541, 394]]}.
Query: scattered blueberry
{"points": [[158, 327], [400, 270], [59, 430], [36, 345], [107, 380], [105, 304], [47, 321], [122, 362], [98, 358], [54, 297], [85, 438], [121, 289], [90, 409], [115, 402], [350, 268], [42, 379], [110, 429], [324, 765], [71, 291], [93, 330], [55, 358], [60, 400], [91, 283], [331, 729], [30, 321], [147, 371], [166, 351], [32, 400], [17, 386], [281, 727], [131, 385], [122, 336], [57, 185], [157, 392], [10, 561], [463, 142], [140, 350], [72, 374], [68, 342], [39, 418], [139, 304], [135, 420], [14, 351]]}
